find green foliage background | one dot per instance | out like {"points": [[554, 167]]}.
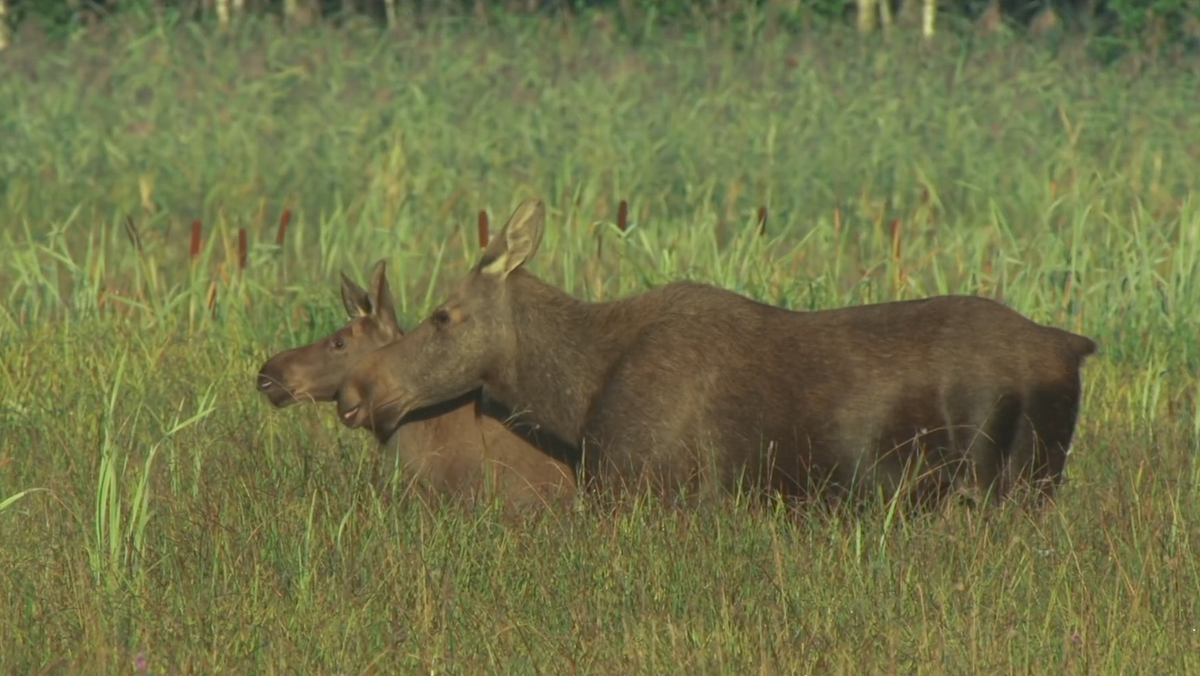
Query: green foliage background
{"points": [[152, 504]]}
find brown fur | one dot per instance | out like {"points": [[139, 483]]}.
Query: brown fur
{"points": [[449, 447], [849, 400]]}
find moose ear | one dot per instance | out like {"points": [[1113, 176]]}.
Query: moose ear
{"points": [[381, 295], [355, 298], [517, 242]]}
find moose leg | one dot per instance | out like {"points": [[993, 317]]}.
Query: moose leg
{"points": [[990, 445], [626, 449], [1039, 454]]}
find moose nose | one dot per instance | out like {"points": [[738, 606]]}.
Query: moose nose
{"points": [[264, 382]]}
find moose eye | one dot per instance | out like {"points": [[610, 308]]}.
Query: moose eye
{"points": [[441, 317], [338, 343]]}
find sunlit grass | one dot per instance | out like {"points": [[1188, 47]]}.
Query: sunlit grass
{"points": [[151, 502]]}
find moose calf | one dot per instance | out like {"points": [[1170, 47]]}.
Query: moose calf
{"points": [[449, 446]]}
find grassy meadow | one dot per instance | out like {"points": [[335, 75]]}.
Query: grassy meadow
{"points": [[157, 516]]}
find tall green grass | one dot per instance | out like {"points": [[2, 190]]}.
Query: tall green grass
{"points": [[152, 504]]}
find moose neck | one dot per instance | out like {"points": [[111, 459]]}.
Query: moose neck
{"points": [[564, 349], [424, 424]]}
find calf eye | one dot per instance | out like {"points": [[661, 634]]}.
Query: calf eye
{"points": [[338, 343], [441, 317]]}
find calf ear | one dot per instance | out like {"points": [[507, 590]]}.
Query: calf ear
{"points": [[381, 296], [517, 242], [355, 298]]}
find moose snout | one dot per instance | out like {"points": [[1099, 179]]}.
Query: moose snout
{"points": [[268, 377], [270, 382], [264, 382]]}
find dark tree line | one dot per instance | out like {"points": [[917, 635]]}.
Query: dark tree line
{"points": [[1161, 21]]}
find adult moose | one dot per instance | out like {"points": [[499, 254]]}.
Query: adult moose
{"points": [[922, 396], [448, 447]]}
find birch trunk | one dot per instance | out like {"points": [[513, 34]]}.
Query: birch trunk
{"points": [[885, 15], [3, 24], [866, 16], [389, 7]]}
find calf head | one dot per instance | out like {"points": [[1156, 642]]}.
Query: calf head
{"points": [[313, 372]]}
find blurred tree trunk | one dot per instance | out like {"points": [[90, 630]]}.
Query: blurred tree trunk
{"points": [[866, 16], [911, 14], [299, 13], [919, 13], [4, 24], [389, 9]]}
